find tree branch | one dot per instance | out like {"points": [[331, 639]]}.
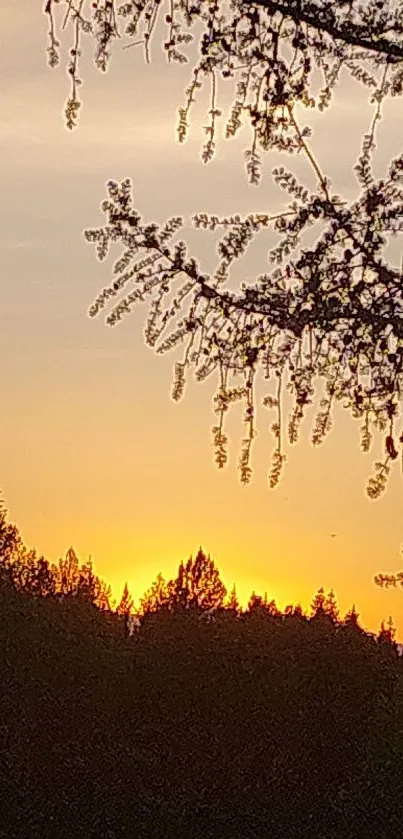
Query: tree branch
{"points": [[351, 34]]}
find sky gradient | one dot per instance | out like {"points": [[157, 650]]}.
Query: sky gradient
{"points": [[93, 451]]}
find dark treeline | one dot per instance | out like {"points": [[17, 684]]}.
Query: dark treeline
{"points": [[205, 721]]}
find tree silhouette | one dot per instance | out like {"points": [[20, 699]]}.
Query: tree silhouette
{"points": [[35, 575], [11, 548], [334, 310], [350, 619], [387, 633], [318, 603], [157, 597], [198, 585], [233, 602], [262, 611], [292, 610], [79, 581], [68, 574], [331, 607], [125, 608], [88, 584]]}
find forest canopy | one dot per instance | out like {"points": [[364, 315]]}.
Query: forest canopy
{"points": [[208, 719]]}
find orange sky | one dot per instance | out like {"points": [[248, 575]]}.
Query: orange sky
{"points": [[93, 452]]}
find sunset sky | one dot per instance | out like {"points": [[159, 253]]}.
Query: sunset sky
{"points": [[93, 452]]}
